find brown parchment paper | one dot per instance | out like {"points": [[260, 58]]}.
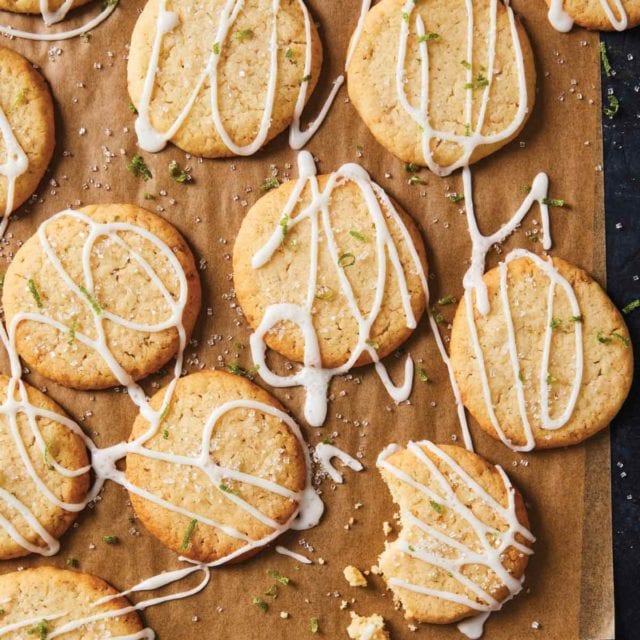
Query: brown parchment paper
{"points": [[569, 582]]}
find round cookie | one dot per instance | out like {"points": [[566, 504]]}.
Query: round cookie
{"points": [[124, 295], [607, 355], [28, 108], [38, 596], [591, 14], [372, 81], [285, 277], [245, 440], [33, 6], [61, 446], [430, 574], [243, 70]]}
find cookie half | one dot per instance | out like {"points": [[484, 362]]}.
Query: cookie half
{"points": [[32, 513], [140, 279], [504, 380], [257, 472], [600, 15], [244, 71], [464, 543], [424, 97], [286, 277], [27, 130], [40, 602]]}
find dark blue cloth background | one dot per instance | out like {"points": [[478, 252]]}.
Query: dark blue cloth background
{"points": [[622, 202]]}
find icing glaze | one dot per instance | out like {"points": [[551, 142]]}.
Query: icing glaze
{"points": [[15, 165], [563, 22], [53, 17], [326, 452], [457, 554], [312, 376], [420, 114]]}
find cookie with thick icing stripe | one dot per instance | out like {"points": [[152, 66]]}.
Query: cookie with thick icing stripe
{"points": [[39, 602], [252, 488], [600, 15], [286, 276], [192, 46], [422, 94], [587, 368], [32, 443], [464, 543], [118, 310], [27, 130]]}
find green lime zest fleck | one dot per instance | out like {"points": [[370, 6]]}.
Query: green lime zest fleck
{"points": [[260, 603], [456, 197], [358, 235], [411, 167], [33, 289], [632, 306], [576, 318], [186, 541], [436, 506], [92, 301], [138, 167], [284, 224], [428, 37], [346, 260], [611, 111], [270, 183], [416, 180], [276, 575], [237, 370], [447, 300], [243, 34], [625, 341], [314, 625], [132, 108], [177, 174], [554, 202], [423, 375], [41, 630], [73, 562], [227, 489], [551, 379], [604, 56], [555, 323], [374, 344], [110, 539], [216, 48]]}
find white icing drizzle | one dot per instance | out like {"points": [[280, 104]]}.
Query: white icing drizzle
{"points": [[420, 114], [152, 140], [563, 22], [292, 554], [357, 34], [458, 554], [326, 452], [312, 376], [15, 164], [104, 461], [52, 17]]}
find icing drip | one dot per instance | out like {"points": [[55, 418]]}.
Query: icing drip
{"points": [[357, 34], [326, 452], [14, 166], [152, 140], [312, 376], [52, 17], [563, 22], [104, 461], [458, 555], [291, 554], [420, 114], [555, 280]]}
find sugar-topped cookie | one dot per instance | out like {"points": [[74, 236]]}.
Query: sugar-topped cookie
{"points": [[430, 96], [224, 78], [44, 472], [601, 15], [27, 131], [101, 296], [551, 363], [464, 542], [43, 602], [224, 474]]}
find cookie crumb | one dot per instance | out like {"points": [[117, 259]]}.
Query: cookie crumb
{"points": [[371, 627], [354, 576]]}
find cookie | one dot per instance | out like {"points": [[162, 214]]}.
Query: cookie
{"points": [[600, 15], [33, 6], [258, 469], [27, 131], [32, 513], [286, 276], [131, 293], [470, 107], [584, 394], [464, 543], [191, 40], [367, 627], [41, 602]]}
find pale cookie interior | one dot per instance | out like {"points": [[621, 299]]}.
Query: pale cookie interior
{"points": [[285, 278], [245, 440], [451, 528]]}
